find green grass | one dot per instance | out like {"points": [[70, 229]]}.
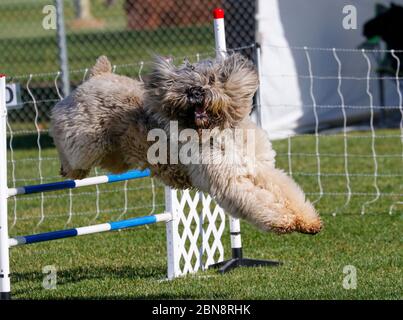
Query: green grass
{"points": [[131, 264]]}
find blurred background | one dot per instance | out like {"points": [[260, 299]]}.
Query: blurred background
{"points": [[126, 30], [129, 32]]}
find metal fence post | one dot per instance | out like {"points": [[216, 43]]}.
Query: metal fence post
{"points": [[62, 46], [259, 98]]}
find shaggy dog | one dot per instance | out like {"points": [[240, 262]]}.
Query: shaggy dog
{"points": [[107, 121]]}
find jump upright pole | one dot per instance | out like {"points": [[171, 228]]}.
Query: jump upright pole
{"points": [[237, 259], [4, 248]]}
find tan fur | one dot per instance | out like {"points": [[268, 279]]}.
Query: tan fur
{"points": [[105, 122], [101, 66]]}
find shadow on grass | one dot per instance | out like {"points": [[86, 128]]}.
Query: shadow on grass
{"points": [[103, 273], [162, 296], [79, 274]]}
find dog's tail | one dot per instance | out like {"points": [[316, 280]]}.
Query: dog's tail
{"points": [[101, 66]]}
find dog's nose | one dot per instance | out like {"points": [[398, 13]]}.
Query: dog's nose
{"points": [[195, 94]]}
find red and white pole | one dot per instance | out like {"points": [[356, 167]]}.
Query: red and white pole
{"points": [[219, 33], [221, 52], [237, 259]]}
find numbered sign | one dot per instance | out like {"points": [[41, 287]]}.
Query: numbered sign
{"points": [[13, 96]]}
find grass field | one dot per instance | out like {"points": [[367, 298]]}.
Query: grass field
{"points": [[132, 264]]}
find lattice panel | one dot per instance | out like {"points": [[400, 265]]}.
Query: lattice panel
{"points": [[197, 231]]}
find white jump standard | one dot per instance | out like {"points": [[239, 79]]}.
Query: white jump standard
{"points": [[4, 247]]}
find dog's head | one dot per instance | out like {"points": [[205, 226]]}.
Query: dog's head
{"points": [[207, 94]]}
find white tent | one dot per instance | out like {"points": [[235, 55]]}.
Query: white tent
{"points": [[290, 88]]}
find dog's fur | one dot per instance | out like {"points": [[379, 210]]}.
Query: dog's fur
{"points": [[105, 122]]}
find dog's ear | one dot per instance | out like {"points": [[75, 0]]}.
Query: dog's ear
{"points": [[239, 77], [102, 65], [162, 73]]}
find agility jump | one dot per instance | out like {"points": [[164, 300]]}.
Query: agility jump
{"points": [[173, 216]]}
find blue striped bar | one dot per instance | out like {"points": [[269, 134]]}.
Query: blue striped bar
{"points": [[47, 236], [135, 174], [70, 184], [133, 222], [109, 226]]}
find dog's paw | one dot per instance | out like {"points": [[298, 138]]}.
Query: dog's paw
{"points": [[77, 174], [310, 227], [63, 172], [290, 224], [281, 226]]}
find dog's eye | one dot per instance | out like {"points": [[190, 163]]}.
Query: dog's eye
{"points": [[211, 79]]}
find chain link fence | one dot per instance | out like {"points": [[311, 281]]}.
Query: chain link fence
{"points": [[129, 32]]}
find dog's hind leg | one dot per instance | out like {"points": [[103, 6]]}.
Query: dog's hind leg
{"points": [[77, 174], [243, 199], [67, 172]]}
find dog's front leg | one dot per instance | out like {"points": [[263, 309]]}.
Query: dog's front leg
{"points": [[272, 202], [243, 199]]}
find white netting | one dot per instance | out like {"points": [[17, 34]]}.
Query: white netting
{"points": [[336, 169], [346, 164]]}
